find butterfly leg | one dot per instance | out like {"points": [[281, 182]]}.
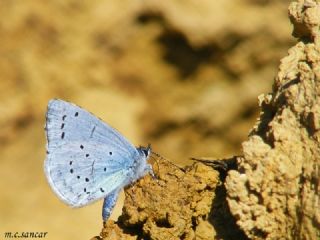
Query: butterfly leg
{"points": [[148, 169], [108, 204]]}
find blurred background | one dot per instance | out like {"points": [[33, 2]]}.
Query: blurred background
{"points": [[181, 75]]}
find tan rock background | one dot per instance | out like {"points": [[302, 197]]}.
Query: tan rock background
{"points": [[275, 192], [183, 76]]}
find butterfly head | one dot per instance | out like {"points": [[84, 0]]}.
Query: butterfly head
{"points": [[144, 167], [145, 151]]}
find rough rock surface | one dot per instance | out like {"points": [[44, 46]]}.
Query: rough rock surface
{"points": [[275, 194], [175, 205]]}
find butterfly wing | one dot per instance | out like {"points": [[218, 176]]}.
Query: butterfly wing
{"points": [[80, 176], [66, 122], [87, 159]]}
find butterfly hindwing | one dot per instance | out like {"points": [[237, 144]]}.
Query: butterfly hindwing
{"points": [[80, 176]]}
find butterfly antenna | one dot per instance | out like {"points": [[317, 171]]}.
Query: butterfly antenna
{"points": [[219, 164], [165, 159]]}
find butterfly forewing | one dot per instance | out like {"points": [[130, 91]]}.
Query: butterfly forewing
{"points": [[66, 122]]}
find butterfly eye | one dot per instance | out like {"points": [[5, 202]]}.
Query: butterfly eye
{"points": [[146, 152]]}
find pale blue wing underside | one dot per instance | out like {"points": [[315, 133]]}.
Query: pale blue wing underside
{"points": [[67, 122], [87, 159], [81, 176]]}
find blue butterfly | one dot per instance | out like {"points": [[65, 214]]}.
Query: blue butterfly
{"points": [[87, 159]]}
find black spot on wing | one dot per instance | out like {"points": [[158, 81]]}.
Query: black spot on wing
{"points": [[62, 135], [85, 190]]}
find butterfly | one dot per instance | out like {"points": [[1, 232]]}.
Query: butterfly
{"points": [[87, 159]]}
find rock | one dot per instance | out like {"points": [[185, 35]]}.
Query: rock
{"points": [[175, 205], [274, 193]]}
